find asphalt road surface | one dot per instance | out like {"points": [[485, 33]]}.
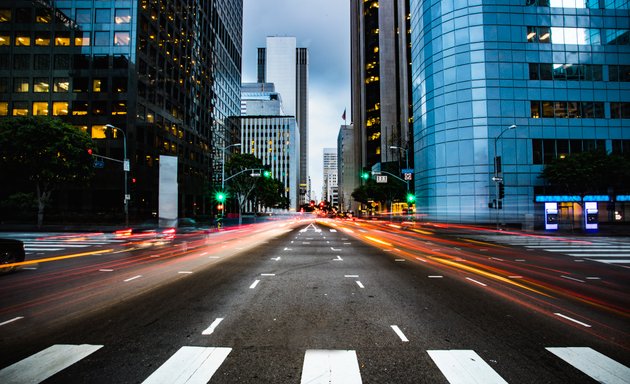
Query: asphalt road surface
{"points": [[320, 302]]}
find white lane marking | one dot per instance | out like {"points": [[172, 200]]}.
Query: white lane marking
{"points": [[400, 334], [435, 277], [214, 257], [27, 249], [520, 260], [477, 282], [421, 259], [132, 278], [571, 278], [254, 284], [12, 320], [46, 363], [593, 278], [213, 326], [185, 272], [360, 285], [338, 258], [267, 274], [610, 261], [515, 277], [291, 241], [464, 366], [106, 270], [333, 230], [306, 242], [330, 367], [288, 249], [347, 243], [334, 249], [353, 276], [276, 258], [400, 260], [596, 365], [155, 256], [573, 320], [203, 253], [190, 365], [497, 259]]}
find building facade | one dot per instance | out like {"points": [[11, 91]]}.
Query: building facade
{"points": [[558, 71], [330, 187], [170, 84], [346, 168], [276, 141], [260, 99], [283, 63]]}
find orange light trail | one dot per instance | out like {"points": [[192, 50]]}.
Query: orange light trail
{"points": [[56, 258]]}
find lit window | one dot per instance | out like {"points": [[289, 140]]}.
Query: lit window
{"points": [[42, 16], [98, 85], [4, 108], [5, 15], [20, 84], [121, 38], [23, 39], [62, 39], [5, 39], [82, 41], [40, 108], [122, 16], [99, 132], [61, 84], [20, 108], [42, 39], [120, 108], [60, 108], [41, 85], [79, 108]]}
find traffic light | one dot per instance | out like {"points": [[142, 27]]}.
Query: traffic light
{"points": [[365, 175], [411, 198], [267, 173], [89, 151], [220, 197], [501, 190]]}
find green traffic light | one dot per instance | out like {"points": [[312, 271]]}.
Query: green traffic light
{"points": [[411, 198], [220, 197], [267, 174], [365, 176]]}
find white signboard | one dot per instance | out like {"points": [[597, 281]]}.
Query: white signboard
{"points": [[408, 176], [167, 198], [381, 179]]}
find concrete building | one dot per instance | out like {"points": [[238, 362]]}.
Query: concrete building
{"points": [[558, 71], [281, 62], [260, 99], [330, 187], [347, 168], [276, 141], [170, 85]]}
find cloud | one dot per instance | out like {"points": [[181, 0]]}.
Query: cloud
{"points": [[324, 28]]}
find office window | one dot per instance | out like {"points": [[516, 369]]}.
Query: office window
{"points": [[5, 38], [42, 39], [99, 108], [560, 109], [121, 38], [5, 15], [43, 15], [535, 109], [593, 110], [40, 108], [619, 110], [119, 108], [62, 39], [619, 73], [20, 84], [81, 62], [121, 62], [4, 85], [24, 15], [99, 85], [99, 132], [79, 108], [103, 16], [60, 108], [41, 84], [22, 62], [547, 108], [100, 61], [122, 16], [22, 39], [83, 16], [82, 39], [20, 108], [80, 84], [62, 62], [119, 84], [4, 108], [101, 38], [61, 84]]}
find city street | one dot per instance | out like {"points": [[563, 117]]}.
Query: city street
{"points": [[319, 301]]}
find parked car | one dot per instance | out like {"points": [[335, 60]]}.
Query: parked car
{"points": [[11, 251]]}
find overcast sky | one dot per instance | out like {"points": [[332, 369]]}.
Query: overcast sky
{"points": [[322, 26]]}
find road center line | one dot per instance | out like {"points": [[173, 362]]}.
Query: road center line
{"points": [[573, 320], [12, 320], [571, 278], [132, 278], [254, 285], [515, 277], [106, 270], [593, 278], [213, 326], [477, 282], [353, 276], [435, 277], [400, 334], [400, 260], [185, 272], [360, 285], [267, 274]]}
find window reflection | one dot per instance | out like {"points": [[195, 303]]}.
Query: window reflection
{"points": [[121, 38], [122, 16]]}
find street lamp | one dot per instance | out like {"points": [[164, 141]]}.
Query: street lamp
{"points": [[126, 169], [223, 149], [498, 181]]}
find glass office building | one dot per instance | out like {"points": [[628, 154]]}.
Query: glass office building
{"points": [[558, 70], [165, 72]]}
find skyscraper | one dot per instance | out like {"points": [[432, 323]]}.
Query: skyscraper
{"points": [[330, 187], [168, 83], [346, 167], [286, 66], [558, 71]]}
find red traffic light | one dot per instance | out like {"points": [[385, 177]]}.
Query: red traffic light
{"points": [[133, 180], [89, 151]]}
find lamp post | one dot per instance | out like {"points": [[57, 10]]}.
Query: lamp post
{"points": [[498, 180], [407, 197], [126, 169], [223, 149]]}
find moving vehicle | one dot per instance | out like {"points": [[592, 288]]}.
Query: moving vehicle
{"points": [[11, 251]]}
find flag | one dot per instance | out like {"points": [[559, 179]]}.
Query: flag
{"points": [[344, 114]]}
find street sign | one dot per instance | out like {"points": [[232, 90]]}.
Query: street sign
{"points": [[126, 166], [99, 163], [407, 170], [408, 176], [127, 197], [381, 179]]}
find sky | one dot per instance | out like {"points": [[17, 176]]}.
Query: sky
{"points": [[322, 26]]}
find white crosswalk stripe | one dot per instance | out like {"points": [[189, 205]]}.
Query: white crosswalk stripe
{"points": [[330, 367], [190, 365], [465, 367], [604, 250], [44, 364], [594, 364]]}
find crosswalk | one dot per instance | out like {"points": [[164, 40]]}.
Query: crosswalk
{"points": [[38, 244], [194, 364], [608, 250]]}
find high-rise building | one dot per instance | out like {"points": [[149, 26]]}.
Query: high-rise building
{"points": [[346, 168], [166, 73], [260, 99], [557, 71], [330, 187], [381, 86], [283, 63], [276, 141]]}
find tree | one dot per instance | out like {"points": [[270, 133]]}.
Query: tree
{"points": [[45, 153], [588, 173]]}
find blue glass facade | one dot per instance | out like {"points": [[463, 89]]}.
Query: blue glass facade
{"points": [[558, 70]]}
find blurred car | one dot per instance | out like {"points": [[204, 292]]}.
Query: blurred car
{"points": [[11, 251]]}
